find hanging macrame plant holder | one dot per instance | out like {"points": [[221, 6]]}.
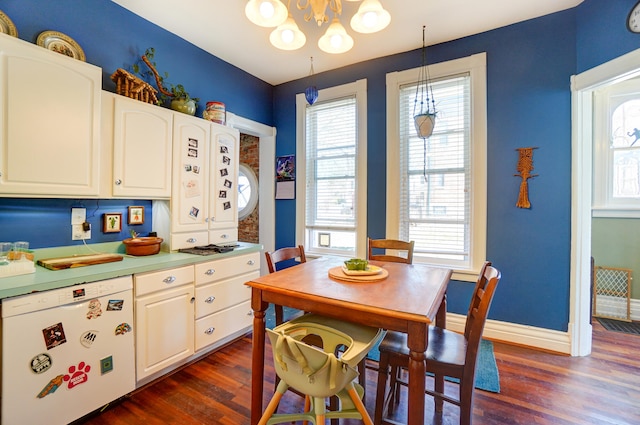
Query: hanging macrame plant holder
{"points": [[424, 105]]}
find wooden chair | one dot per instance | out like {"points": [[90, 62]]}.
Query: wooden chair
{"points": [[280, 255], [448, 354], [390, 244]]}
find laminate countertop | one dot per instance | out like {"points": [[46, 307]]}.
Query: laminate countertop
{"points": [[44, 279]]}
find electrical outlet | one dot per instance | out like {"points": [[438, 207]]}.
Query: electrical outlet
{"points": [[78, 233], [78, 215], [78, 220]]}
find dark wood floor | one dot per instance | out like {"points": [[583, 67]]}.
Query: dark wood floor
{"points": [[536, 388]]}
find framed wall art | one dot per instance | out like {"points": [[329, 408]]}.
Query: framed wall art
{"points": [[136, 214], [111, 222]]}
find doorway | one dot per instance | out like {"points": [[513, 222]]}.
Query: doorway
{"points": [[266, 180], [582, 87]]}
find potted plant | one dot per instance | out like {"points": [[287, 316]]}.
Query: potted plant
{"points": [[179, 98]]}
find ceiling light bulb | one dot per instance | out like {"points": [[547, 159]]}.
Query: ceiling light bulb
{"points": [[336, 39], [267, 10], [370, 18], [288, 36], [266, 13]]}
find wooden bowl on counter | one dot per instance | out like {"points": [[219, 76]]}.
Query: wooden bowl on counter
{"points": [[142, 246]]}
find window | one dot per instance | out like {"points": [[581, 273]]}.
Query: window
{"points": [[436, 188], [247, 191], [331, 151], [617, 150]]}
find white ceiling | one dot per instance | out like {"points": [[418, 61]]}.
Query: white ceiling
{"points": [[221, 28]]}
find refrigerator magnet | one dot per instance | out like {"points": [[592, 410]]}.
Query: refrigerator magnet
{"points": [[52, 386], [41, 363], [122, 329], [54, 336], [106, 365], [95, 309], [88, 338], [115, 305]]}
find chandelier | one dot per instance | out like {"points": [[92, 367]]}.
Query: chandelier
{"points": [[369, 18]]}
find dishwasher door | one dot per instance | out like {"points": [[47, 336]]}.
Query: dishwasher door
{"points": [[66, 352]]}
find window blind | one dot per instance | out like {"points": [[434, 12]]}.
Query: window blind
{"points": [[331, 151], [435, 172]]}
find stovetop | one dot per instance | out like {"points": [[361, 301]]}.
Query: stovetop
{"points": [[209, 249]]}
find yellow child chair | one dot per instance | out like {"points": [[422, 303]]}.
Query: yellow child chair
{"points": [[307, 358]]}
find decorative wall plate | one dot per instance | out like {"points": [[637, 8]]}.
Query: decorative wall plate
{"points": [[60, 43], [6, 26]]}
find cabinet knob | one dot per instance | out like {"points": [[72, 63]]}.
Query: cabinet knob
{"points": [[118, 182], [169, 279], [224, 236], [206, 220], [191, 240], [210, 272], [251, 262], [250, 313], [210, 331], [210, 299]]}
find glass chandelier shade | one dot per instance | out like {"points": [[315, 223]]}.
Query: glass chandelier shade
{"points": [[266, 13], [336, 39], [288, 36], [371, 17]]}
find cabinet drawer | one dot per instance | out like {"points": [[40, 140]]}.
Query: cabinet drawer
{"points": [[222, 236], [188, 240], [215, 327], [227, 267], [220, 295], [146, 283]]}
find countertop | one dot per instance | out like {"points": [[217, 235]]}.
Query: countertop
{"points": [[44, 279]]}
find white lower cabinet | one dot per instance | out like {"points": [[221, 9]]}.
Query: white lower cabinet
{"points": [[223, 301], [164, 319], [185, 312]]}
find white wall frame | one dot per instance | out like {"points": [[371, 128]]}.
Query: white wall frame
{"points": [[582, 87]]}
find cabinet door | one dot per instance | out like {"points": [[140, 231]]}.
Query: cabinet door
{"points": [[164, 329], [49, 122], [224, 158], [141, 150], [190, 194]]}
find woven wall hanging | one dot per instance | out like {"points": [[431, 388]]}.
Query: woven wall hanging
{"points": [[525, 167]]}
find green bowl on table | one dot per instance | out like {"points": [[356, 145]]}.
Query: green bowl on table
{"points": [[356, 264]]}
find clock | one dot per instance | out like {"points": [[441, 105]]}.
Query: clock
{"points": [[633, 20]]}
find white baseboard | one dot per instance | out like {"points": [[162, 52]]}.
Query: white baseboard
{"points": [[511, 333], [529, 336]]}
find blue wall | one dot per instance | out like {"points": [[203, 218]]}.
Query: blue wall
{"points": [[47, 222], [529, 67], [112, 37]]}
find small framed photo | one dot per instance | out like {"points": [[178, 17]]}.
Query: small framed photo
{"points": [[111, 222], [136, 215]]}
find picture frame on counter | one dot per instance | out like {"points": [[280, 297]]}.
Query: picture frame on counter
{"points": [[111, 222], [136, 214]]}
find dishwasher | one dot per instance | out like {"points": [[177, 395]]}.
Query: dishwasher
{"points": [[67, 352]]}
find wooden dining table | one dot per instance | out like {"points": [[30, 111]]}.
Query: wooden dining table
{"points": [[408, 299]]}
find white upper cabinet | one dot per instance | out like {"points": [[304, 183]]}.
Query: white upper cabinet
{"points": [[223, 178], [49, 122], [190, 193], [142, 145]]}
